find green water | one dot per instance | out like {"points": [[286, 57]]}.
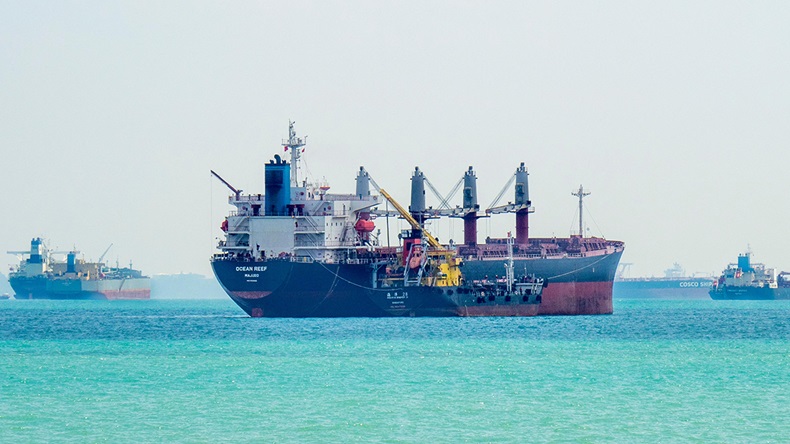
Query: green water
{"points": [[658, 371]]}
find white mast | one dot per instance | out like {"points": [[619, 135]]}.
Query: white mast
{"points": [[580, 194], [509, 265], [294, 144]]}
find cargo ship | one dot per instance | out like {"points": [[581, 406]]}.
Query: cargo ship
{"points": [[297, 250], [745, 280], [40, 276], [675, 284]]}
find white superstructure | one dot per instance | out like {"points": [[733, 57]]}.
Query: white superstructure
{"points": [[296, 219]]}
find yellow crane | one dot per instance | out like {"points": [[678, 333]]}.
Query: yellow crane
{"points": [[412, 221], [449, 274]]}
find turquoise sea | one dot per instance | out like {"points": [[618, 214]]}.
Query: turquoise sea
{"points": [[201, 371]]}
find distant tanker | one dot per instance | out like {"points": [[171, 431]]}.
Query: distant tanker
{"points": [[673, 285], [39, 276]]}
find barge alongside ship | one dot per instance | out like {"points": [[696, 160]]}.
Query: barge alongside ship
{"points": [[298, 251]]}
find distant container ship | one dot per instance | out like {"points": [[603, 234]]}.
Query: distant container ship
{"points": [[674, 285], [750, 281], [299, 251], [40, 276]]}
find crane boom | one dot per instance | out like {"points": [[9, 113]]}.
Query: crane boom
{"points": [[235, 191], [413, 222], [449, 270], [104, 254], [501, 193]]}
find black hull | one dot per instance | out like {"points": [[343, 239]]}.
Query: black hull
{"points": [[281, 288]]}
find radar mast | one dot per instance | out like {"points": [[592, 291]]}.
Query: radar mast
{"points": [[294, 144], [580, 194]]}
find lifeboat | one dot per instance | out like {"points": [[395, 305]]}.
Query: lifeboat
{"points": [[365, 226]]}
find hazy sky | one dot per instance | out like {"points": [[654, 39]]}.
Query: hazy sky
{"points": [[676, 115]]}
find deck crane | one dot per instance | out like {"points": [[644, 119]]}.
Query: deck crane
{"points": [[405, 214], [412, 221], [449, 272], [104, 254], [235, 191]]}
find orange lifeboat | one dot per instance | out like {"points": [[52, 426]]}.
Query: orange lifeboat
{"points": [[365, 226]]}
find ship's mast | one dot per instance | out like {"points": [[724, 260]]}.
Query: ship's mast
{"points": [[509, 265], [580, 194], [294, 144]]}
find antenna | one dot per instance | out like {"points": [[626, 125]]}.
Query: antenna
{"points": [[581, 194], [509, 265], [294, 144]]}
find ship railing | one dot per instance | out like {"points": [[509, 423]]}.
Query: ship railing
{"points": [[333, 212], [327, 213], [302, 259], [363, 261], [308, 243], [236, 213], [311, 230], [262, 197], [241, 256], [329, 196], [328, 244], [247, 198], [221, 257], [309, 260], [502, 255], [358, 261]]}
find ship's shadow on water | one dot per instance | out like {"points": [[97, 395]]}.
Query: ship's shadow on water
{"points": [[220, 320]]}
